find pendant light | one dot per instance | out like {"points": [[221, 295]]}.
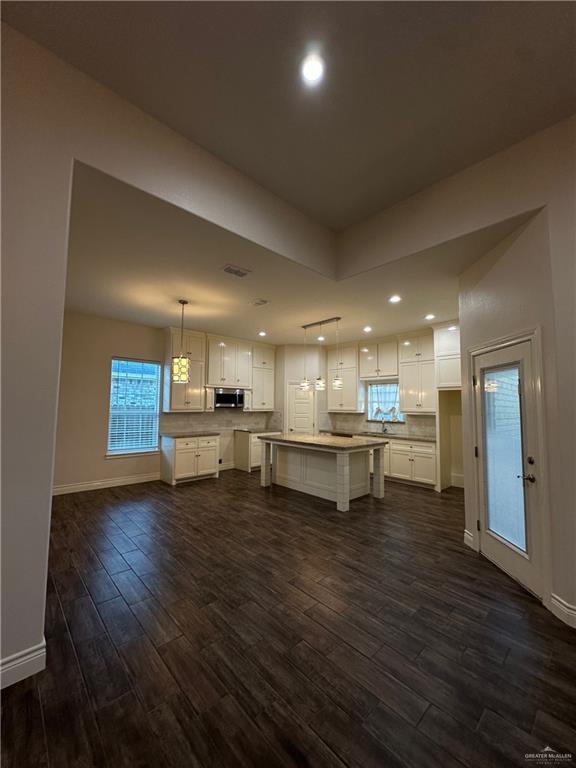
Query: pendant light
{"points": [[305, 383], [337, 380], [320, 382], [181, 364]]}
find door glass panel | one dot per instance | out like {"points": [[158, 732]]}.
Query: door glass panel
{"points": [[503, 455]]}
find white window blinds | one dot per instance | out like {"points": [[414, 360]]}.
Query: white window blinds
{"points": [[134, 406]]}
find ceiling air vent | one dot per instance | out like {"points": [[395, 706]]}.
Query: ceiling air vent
{"points": [[259, 302], [232, 269]]}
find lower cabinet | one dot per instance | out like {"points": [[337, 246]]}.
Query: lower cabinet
{"points": [[413, 461], [248, 449], [188, 458]]}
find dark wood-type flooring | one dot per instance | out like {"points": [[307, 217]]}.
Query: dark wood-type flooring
{"points": [[218, 624]]}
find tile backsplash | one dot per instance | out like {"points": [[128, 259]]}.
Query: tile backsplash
{"points": [[225, 419], [415, 426]]}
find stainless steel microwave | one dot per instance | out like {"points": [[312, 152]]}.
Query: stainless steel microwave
{"points": [[228, 398]]}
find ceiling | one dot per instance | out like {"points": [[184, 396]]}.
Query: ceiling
{"points": [[132, 256], [414, 91]]}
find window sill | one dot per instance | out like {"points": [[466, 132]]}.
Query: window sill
{"points": [[131, 454], [381, 421]]}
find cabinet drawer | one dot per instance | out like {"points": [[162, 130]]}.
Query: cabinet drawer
{"points": [[183, 443], [407, 446], [424, 447], [203, 442], [400, 446]]}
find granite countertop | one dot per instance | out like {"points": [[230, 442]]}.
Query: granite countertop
{"points": [[187, 433], [330, 442], [385, 435], [257, 431]]}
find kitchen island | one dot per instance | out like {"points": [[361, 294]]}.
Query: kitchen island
{"points": [[334, 468]]}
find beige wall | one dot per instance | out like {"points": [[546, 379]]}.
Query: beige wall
{"points": [[89, 343], [507, 292]]}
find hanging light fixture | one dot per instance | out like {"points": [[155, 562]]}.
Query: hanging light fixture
{"points": [[337, 380], [320, 382], [305, 383], [181, 364]]}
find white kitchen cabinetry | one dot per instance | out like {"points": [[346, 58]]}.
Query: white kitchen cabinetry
{"points": [[189, 458], [417, 387], [412, 348], [192, 395], [352, 395], [378, 360], [248, 449], [262, 390], [447, 356], [229, 363], [413, 461], [263, 356], [347, 357]]}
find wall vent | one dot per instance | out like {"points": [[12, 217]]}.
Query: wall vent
{"points": [[232, 269]]}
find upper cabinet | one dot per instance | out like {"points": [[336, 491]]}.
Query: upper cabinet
{"points": [[415, 348], [346, 356], [263, 356], [190, 396], [447, 356], [229, 363], [262, 390], [378, 360]]}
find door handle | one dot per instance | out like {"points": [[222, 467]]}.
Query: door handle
{"points": [[529, 477]]}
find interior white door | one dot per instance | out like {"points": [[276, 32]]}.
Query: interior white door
{"points": [[300, 410], [508, 462]]}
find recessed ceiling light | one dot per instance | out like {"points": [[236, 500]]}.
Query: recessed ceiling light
{"points": [[429, 317], [312, 69], [367, 329], [395, 299], [364, 349], [321, 338], [406, 343], [453, 328], [261, 333]]}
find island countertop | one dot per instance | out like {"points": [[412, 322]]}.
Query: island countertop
{"points": [[328, 442]]}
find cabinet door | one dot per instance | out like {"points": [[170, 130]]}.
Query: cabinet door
{"points": [[243, 365], [446, 342], [387, 460], [388, 358], [427, 388], [448, 372], [194, 345], [215, 372], [424, 468], [185, 463], [268, 390], [229, 353], [255, 452], [262, 390], [368, 355], [408, 349], [348, 357], [263, 356], [195, 388], [207, 460], [333, 397], [345, 399], [409, 380], [426, 347], [401, 465]]}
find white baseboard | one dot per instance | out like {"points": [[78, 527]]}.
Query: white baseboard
{"points": [[111, 482], [469, 540], [23, 664], [457, 480], [227, 465], [563, 610]]}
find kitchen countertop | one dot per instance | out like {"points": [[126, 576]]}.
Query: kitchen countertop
{"points": [[385, 435], [187, 433], [258, 431], [329, 442]]}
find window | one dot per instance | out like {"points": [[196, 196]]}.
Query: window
{"points": [[134, 407], [381, 399]]}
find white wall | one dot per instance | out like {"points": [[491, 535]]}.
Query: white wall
{"points": [[52, 116], [509, 291]]}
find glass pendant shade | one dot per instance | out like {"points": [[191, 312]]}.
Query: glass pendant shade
{"points": [[336, 383], [180, 370], [320, 384], [305, 384]]}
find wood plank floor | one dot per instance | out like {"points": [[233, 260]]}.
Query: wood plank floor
{"points": [[218, 624]]}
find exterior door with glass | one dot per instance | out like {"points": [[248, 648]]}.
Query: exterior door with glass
{"points": [[508, 462]]}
